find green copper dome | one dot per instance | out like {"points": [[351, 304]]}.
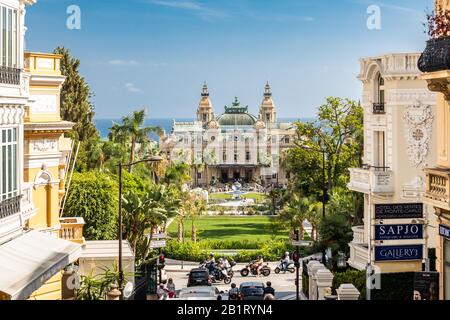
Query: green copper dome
{"points": [[236, 115]]}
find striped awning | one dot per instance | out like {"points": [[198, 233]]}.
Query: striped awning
{"points": [[31, 259]]}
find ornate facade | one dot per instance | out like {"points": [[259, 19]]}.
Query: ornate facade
{"points": [[234, 146], [399, 133]]}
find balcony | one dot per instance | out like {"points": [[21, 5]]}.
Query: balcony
{"points": [[10, 75], [374, 180], [379, 108], [10, 207], [359, 251], [72, 229], [437, 188]]}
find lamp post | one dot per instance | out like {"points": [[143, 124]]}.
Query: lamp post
{"points": [[121, 166]]}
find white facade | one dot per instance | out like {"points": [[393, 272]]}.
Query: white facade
{"points": [[399, 141], [15, 197]]}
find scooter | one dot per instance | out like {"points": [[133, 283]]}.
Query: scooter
{"points": [[265, 270], [281, 267], [221, 275]]}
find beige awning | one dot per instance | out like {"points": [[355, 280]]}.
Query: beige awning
{"points": [[28, 261]]}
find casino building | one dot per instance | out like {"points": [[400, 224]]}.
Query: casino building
{"points": [[233, 146]]}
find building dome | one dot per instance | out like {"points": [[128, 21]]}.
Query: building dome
{"points": [[236, 115]]}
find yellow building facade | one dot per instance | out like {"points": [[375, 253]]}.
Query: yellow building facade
{"points": [[45, 153]]}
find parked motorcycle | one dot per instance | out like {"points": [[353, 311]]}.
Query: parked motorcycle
{"points": [[265, 270], [282, 268]]}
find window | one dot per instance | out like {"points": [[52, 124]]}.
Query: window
{"points": [[236, 157], [8, 163], [9, 38], [286, 140], [380, 153], [224, 157], [380, 89], [247, 156], [199, 175]]}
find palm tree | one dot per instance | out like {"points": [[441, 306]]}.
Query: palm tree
{"points": [[195, 206], [294, 213], [132, 131]]}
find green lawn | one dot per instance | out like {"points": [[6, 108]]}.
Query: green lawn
{"points": [[223, 196], [252, 228]]}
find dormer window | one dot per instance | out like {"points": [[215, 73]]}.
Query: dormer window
{"points": [[379, 104], [380, 91]]}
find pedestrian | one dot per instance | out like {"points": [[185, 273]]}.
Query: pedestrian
{"points": [[171, 288], [268, 290], [161, 292], [269, 297]]}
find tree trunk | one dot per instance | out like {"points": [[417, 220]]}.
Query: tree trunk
{"points": [[133, 146], [180, 231], [193, 232]]}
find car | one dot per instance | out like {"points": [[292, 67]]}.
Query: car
{"points": [[199, 277], [252, 291], [198, 293]]}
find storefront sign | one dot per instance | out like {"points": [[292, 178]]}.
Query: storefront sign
{"points": [[426, 286], [399, 211], [444, 231], [398, 253], [398, 231]]}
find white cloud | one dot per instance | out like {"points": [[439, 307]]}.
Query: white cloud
{"points": [[120, 62], [195, 7], [131, 87]]}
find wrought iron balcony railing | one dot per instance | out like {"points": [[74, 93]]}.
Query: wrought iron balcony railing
{"points": [[378, 108], [10, 207], [9, 75]]}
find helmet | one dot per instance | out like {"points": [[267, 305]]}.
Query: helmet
{"points": [[286, 253], [211, 254]]}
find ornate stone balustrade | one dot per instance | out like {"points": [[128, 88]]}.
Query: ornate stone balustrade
{"points": [[72, 229], [437, 190], [359, 235], [374, 180]]}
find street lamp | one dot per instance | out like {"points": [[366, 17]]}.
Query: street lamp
{"points": [[121, 166]]}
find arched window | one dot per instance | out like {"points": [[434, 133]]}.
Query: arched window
{"points": [[380, 89]]}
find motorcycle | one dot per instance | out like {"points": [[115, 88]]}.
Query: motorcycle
{"points": [[221, 275], [281, 267], [265, 270]]}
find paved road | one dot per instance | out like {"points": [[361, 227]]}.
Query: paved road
{"points": [[284, 284]]}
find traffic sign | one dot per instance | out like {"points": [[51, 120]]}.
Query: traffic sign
{"points": [[302, 243], [158, 244]]}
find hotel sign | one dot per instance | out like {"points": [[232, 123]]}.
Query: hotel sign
{"points": [[398, 253], [444, 231], [399, 211], [398, 231]]}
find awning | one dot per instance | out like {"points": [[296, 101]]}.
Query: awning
{"points": [[28, 261]]}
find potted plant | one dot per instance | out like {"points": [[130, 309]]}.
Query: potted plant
{"points": [[436, 56]]}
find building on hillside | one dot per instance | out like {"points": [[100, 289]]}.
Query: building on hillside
{"points": [[32, 158], [399, 141], [235, 146], [438, 173]]}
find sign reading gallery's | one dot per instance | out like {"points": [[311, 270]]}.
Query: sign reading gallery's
{"points": [[399, 253], [399, 211], [398, 231]]}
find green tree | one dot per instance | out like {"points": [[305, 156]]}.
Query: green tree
{"points": [[132, 132], [76, 107], [93, 196], [338, 131]]}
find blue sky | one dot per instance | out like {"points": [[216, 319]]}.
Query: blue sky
{"points": [[157, 53]]}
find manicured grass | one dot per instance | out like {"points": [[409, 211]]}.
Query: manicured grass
{"points": [[252, 195], [254, 228]]}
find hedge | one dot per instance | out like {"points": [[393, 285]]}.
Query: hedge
{"points": [[247, 250]]}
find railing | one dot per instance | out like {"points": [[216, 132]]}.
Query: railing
{"points": [[10, 207], [378, 108], [371, 179], [9, 75], [438, 187], [72, 229], [359, 235]]}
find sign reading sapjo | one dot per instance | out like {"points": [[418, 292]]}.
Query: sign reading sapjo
{"points": [[399, 211], [398, 231], [398, 253]]}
